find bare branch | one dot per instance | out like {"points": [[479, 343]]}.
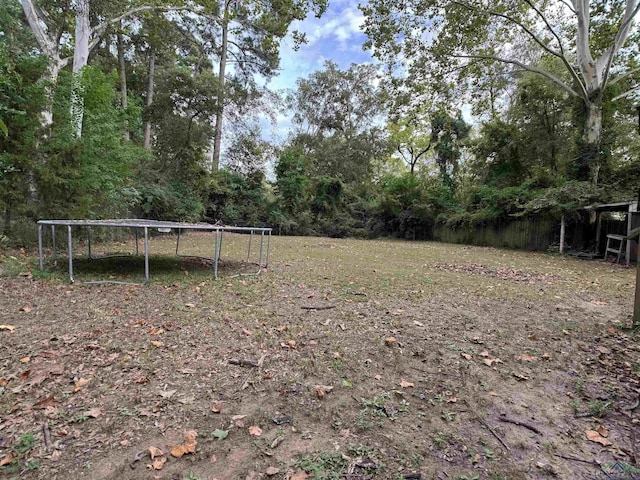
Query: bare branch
{"points": [[566, 4], [529, 68], [624, 75], [515, 21], [621, 37], [627, 93], [99, 29]]}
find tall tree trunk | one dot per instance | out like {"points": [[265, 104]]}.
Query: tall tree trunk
{"points": [[80, 59], [590, 160], [147, 125], [123, 82], [217, 142]]}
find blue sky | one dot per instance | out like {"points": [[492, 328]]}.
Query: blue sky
{"points": [[336, 36]]}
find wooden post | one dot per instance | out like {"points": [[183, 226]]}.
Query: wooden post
{"points": [[562, 228]]}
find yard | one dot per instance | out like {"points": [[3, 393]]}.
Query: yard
{"points": [[345, 359]]}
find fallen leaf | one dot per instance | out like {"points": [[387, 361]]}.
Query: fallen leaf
{"points": [[25, 359], [143, 380], [600, 349], [405, 384], [217, 406], [566, 332], [11, 328], [155, 452], [491, 361], [26, 309], [271, 471], [377, 377], [521, 377], [246, 332], [320, 393], [390, 341], [190, 305], [167, 393], [80, 384], [596, 437], [220, 434], [466, 356], [95, 412], [603, 431], [45, 402], [527, 358], [484, 353], [291, 343], [256, 431], [7, 459], [452, 400], [213, 458], [418, 324], [156, 343], [268, 376], [493, 394], [189, 445], [157, 464]]}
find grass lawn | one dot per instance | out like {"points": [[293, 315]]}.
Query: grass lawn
{"points": [[345, 359]]}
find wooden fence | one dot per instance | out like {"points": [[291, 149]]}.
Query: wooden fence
{"points": [[525, 234]]}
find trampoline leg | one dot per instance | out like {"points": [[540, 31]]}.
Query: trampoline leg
{"points": [[268, 249], [70, 253], [89, 242], [261, 245], [40, 246], [249, 252], [178, 242], [216, 255], [136, 233], [55, 249], [146, 255]]}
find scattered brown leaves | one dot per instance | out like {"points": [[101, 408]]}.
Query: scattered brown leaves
{"points": [[80, 384], [255, 430], [594, 436], [189, 445], [405, 384]]}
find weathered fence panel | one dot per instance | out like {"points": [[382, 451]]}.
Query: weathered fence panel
{"points": [[524, 234]]}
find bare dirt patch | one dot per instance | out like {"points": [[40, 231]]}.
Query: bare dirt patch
{"points": [[344, 359]]}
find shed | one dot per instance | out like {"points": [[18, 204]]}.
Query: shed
{"points": [[629, 210]]}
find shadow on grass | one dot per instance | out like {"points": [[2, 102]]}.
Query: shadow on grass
{"points": [[130, 268]]}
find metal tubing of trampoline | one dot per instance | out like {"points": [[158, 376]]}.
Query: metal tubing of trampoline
{"points": [[40, 247], [261, 246], [268, 249], [136, 233], [55, 249], [249, 251], [70, 253], [89, 242], [216, 254], [146, 255], [178, 242]]}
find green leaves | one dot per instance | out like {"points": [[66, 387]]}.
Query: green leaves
{"points": [[220, 434]]}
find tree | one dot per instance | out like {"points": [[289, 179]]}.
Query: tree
{"points": [[411, 139], [337, 114], [247, 35], [594, 41]]}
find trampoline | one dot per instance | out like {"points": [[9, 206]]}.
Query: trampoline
{"points": [[144, 226]]}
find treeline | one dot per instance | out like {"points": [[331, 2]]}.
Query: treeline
{"points": [[153, 123]]}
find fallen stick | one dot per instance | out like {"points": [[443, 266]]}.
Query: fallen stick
{"points": [[244, 363], [482, 421], [522, 424], [47, 436], [329, 307], [576, 459]]}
